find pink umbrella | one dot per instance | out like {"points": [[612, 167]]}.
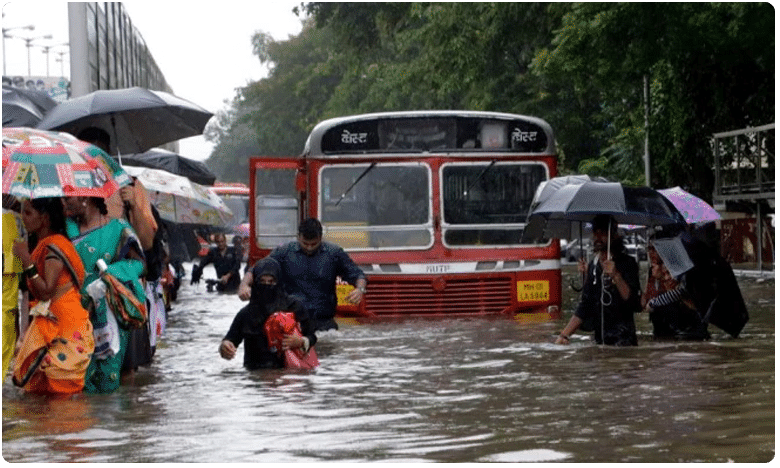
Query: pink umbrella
{"points": [[241, 230], [693, 208]]}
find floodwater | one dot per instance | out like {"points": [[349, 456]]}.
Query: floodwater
{"points": [[466, 390]]}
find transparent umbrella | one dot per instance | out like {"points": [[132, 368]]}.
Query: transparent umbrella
{"points": [[180, 200]]}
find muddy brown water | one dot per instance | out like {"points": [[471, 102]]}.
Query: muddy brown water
{"points": [[465, 390]]}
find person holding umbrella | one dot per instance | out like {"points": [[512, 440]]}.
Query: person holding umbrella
{"points": [[670, 305], [130, 201], [611, 293], [57, 345], [698, 287]]}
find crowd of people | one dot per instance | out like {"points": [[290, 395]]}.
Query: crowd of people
{"points": [[91, 271], [680, 306], [92, 304], [94, 272]]}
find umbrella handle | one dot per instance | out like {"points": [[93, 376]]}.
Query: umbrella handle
{"points": [[582, 274]]}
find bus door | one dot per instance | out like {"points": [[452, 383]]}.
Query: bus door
{"points": [[277, 188]]}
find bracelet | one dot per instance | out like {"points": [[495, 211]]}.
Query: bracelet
{"points": [[31, 271]]}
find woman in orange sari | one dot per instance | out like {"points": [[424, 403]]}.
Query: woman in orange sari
{"points": [[57, 346]]}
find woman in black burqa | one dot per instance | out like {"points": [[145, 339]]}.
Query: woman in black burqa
{"points": [[267, 296]]}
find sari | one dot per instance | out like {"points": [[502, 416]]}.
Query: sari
{"points": [[111, 243], [62, 332]]}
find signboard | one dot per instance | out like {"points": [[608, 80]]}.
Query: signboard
{"points": [[57, 88]]}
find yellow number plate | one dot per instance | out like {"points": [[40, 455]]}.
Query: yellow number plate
{"points": [[342, 291], [533, 291]]}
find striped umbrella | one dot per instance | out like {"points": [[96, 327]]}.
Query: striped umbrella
{"points": [[43, 164]]}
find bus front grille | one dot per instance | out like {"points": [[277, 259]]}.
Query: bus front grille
{"points": [[433, 297]]}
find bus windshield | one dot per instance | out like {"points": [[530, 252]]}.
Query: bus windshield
{"points": [[365, 206], [486, 203]]}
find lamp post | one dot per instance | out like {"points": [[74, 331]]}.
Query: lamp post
{"points": [[46, 50], [29, 41], [5, 34], [62, 62]]}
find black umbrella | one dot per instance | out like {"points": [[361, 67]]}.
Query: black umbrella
{"points": [[24, 107], [136, 119], [708, 279], [641, 206], [537, 228], [548, 187], [581, 201], [174, 163]]}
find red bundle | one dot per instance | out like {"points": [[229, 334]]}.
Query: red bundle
{"points": [[276, 327]]}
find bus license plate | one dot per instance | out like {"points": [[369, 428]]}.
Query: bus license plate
{"points": [[342, 291], [533, 291]]}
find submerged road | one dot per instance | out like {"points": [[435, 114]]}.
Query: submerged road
{"points": [[465, 390]]}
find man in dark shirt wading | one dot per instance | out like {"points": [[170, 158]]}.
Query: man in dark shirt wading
{"points": [[611, 293], [226, 263]]}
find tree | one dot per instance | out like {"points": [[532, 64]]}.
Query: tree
{"points": [[581, 67], [697, 57]]}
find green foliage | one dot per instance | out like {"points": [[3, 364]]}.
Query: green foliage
{"points": [[579, 66]]}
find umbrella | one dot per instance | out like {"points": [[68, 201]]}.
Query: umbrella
{"points": [[582, 202], [174, 163], [534, 230], [694, 209], [708, 278], [554, 216], [180, 200], [38, 164], [24, 107], [137, 119], [674, 255], [551, 186], [242, 230]]}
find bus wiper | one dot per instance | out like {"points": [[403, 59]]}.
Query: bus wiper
{"points": [[355, 183], [479, 177]]}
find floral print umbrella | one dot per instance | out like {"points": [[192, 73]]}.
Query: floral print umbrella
{"points": [[694, 209], [180, 200], [242, 230], [43, 164]]}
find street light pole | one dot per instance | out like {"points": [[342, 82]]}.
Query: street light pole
{"points": [[29, 40], [62, 62], [46, 50], [5, 31]]}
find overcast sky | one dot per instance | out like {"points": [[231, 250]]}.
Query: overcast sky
{"points": [[203, 48]]}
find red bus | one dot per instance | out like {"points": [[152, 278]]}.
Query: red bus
{"points": [[236, 197], [430, 204]]}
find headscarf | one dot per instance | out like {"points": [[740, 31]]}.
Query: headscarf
{"points": [[266, 299]]}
